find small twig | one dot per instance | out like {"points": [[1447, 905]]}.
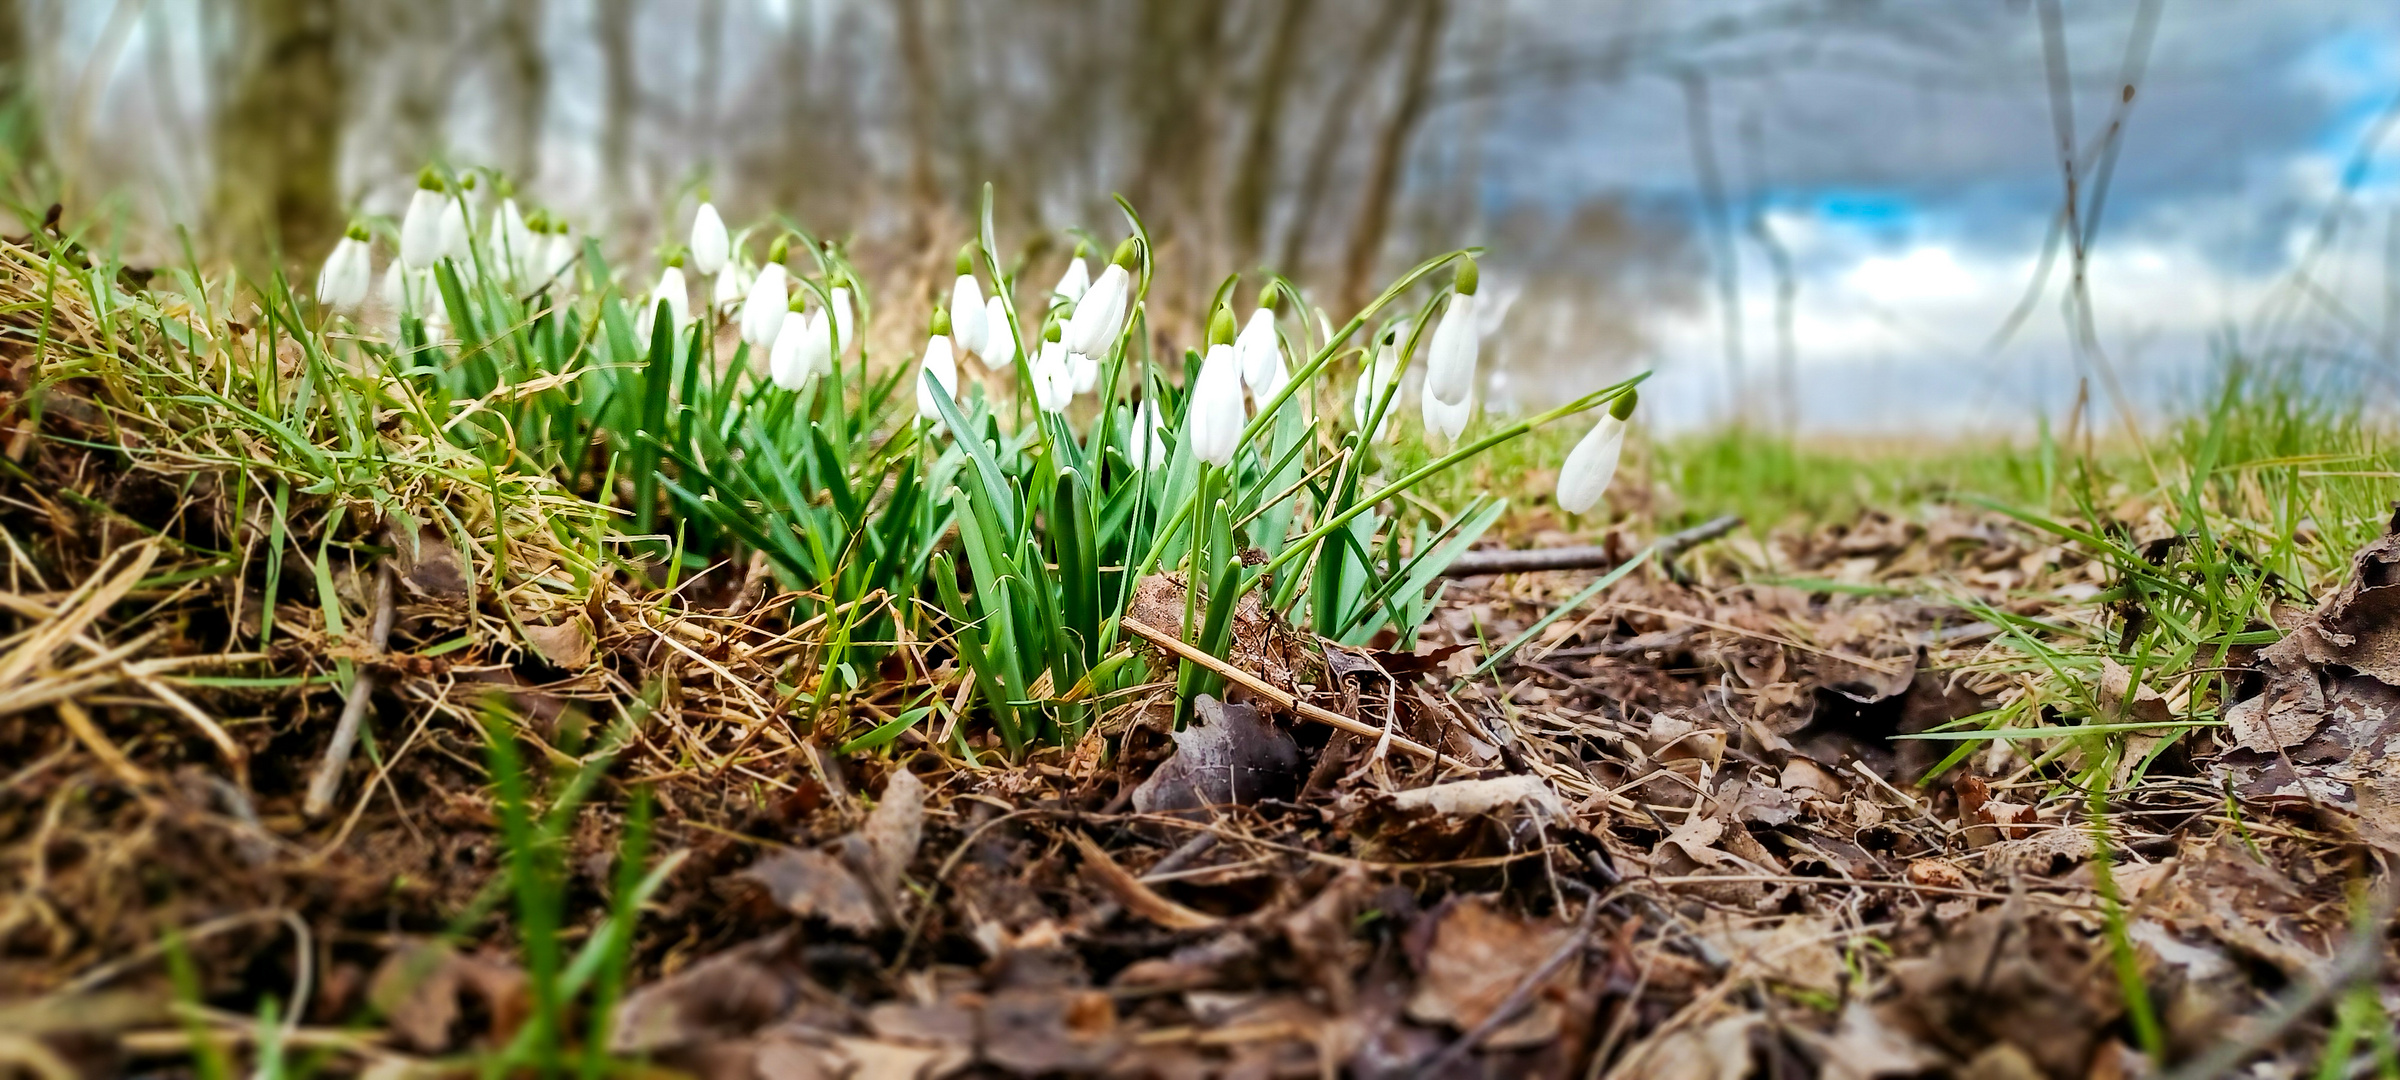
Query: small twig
{"points": [[1266, 690], [1588, 557], [327, 782]]}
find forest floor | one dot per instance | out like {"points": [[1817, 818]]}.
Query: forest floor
{"points": [[1878, 795]]}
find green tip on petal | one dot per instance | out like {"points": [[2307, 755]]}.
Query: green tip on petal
{"points": [[1465, 280], [966, 258], [429, 179], [356, 231], [1125, 253], [1622, 408], [941, 321], [1220, 327], [777, 251]]}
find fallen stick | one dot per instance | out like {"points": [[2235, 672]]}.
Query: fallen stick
{"points": [[1267, 690], [327, 782], [1588, 557]]}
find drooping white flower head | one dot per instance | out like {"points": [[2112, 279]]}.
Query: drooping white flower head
{"points": [[1144, 445], [1083, 372], [769, 300], [396, 292], [1053, 380], [942, 366], [457, 242], [966, 305], [672, 293], [731, 287], [1450, 360], [1374, 378], [1100, 316], [1075, 280], [342, 284], [1000, 348], [558, 258], [837, 300], [710, 244], [1446, 418], [515, 251], [421, 226], [1593, 463], [1215, 415], [1261, 354], [788, 361]]}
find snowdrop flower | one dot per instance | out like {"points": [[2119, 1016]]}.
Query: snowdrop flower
{"points": [[943, 368], [731, 288], [1215, 415], [1261, 354], [1373, 380], [421, 226], [838, 302], [1450, 365], [1593, 462], [559, 256], [396, 293], [1144, 447], [1076, 279], [1446, 418], [769, 301], [512, 244], [342, 284], [1083, 372], [966, 305], [710, 245], [1053, 379], [457, 245], [670, 293], [788, 360], [1000, 347], [1100, 316]]}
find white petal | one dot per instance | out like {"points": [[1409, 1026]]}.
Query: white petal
{"points": [[1074, 282], [1092, 330], [839, 300], [765, 306], [710, 245], [1261, 354], [1446, 418], [1215, 415], [1084, 372], [999, 337], [784, 364], [456, 245], [421, 229], [1590, 466], [966, 314], [944, 368], [1450, 370]]}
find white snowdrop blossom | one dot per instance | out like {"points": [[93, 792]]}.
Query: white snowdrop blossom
{"points": [[1145, 448], [731, 288], [1261, 356], [838, 300], [966, 309], [1000, 347], [765, 308], [1075, 281], [457, 244], [710, 245], [342, 285], [671, 293], [943, 368], [1215, 415], [1100, 315], [1593, 463], [1053, 379], [1446, 418], [1451, 355], [1373, 379], [421, 227], [787, 359], [396, 292], [1083, 372], [513, 244]]}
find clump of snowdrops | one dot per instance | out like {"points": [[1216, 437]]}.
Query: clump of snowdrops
{"points": [[1001, 492]]}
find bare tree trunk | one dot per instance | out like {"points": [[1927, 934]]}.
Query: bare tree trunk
{"points": [[1257, 170], [1714, 221], [924, 100], [1391, 153], [278, 135], [1325, 149], [619, 98], [1787, 280], [525, 86]]}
